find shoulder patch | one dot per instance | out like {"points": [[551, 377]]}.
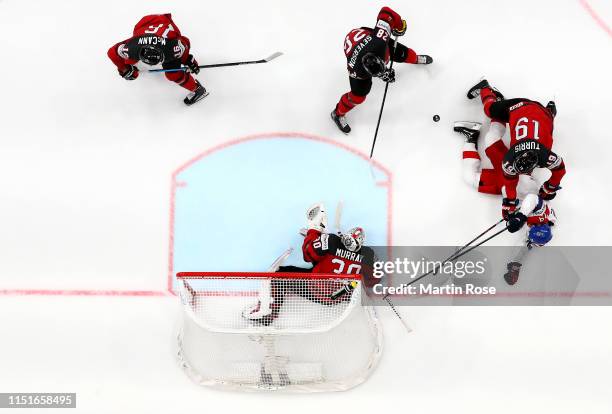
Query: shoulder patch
{"points": [[508, 168], [325, 241], [179, 49], [122, 51], [553, 161]]}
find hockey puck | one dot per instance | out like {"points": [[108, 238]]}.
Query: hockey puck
{"points": [[436, 118]]}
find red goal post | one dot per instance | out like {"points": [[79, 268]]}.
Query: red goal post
{"points": [[265, 275]]}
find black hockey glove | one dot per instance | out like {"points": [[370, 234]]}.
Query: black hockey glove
{"points": [[192, 65], [552, 108], [388, 75], [548, 191], [516, 221], [130, 73], [508, 207]]}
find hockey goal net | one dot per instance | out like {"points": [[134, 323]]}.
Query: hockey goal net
{"points": [[272, 331]]}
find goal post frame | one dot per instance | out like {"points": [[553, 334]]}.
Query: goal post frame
{"points": [[312, 343]]}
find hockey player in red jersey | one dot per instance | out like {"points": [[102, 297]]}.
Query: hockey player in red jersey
{"points": [[335, 253], [531, 141], [532, 210], [329, 253], [367, 53], [157, 40]]}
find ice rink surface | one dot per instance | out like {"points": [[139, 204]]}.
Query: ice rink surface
{"points": [[86, 170]]}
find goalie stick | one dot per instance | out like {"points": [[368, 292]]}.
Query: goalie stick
{"points": [[349, 287], [280, 260], [220, 65], [338, 216], [264, 294]]}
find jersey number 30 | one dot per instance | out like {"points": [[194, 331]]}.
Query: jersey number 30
{"points": [[352, 269]]}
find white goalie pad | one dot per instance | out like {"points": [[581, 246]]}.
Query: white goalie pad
{"points": [[307, 342]]}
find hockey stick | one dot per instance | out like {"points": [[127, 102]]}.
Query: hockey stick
{"points": [[280, 260], [403, 322], [348, 288], [221, 65], [451, 257], [338, 216], [455, 256], [264, 293], [462, 251], [382, 106]]}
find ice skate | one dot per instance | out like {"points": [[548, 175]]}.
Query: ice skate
{"points": [[340, 122], [197, 95], [471, 130]]}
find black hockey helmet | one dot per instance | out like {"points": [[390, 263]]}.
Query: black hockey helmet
{"points": [[151, 55], [526, 161], [525, 155], [373, 64]]}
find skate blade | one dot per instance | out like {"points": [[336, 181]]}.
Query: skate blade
{"points": [[189, 103]]}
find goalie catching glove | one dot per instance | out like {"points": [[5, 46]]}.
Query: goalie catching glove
{"points": [[316, 217]]}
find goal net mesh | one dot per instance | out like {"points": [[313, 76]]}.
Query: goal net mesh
{"points": [[273, 331]]}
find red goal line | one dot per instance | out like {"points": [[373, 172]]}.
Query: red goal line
{"points": [[263, 275]]}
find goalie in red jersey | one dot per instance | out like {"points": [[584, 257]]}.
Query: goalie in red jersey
{"points": [[329, 253], [157, 40], [367, 53], [343, 253], [531, 140]]}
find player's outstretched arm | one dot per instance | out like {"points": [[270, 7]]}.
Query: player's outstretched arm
{"points": [[549, 189]]}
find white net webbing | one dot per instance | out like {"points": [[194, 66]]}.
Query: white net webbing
{"points": [[277, 331]]}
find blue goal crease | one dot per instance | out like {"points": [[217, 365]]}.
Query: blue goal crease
{"points": [[239, 208]]}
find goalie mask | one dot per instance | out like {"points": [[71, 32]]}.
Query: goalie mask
{"points": [[151, 55], [353, 239], [373, 64]]}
